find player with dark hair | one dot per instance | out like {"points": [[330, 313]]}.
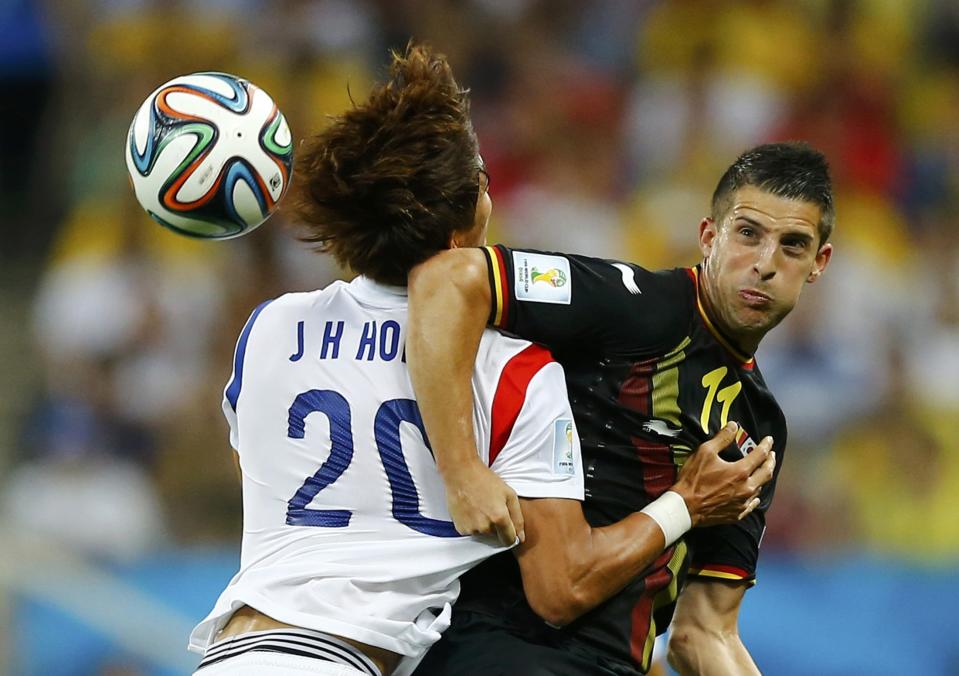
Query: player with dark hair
{"points": [[655, 363], [408, 157], [349, 561]]}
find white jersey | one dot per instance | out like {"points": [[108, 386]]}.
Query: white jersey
{"points": [[345, 526]]}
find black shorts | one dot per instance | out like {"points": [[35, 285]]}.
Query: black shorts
{"points": [[478, 645]]}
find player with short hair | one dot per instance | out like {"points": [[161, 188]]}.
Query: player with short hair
{"points": [[655, 363], [349, 559]]}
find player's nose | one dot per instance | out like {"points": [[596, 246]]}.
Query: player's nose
{"points": [[764, 264]]}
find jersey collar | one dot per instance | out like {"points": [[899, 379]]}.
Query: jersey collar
{"points": [[375, 293]]}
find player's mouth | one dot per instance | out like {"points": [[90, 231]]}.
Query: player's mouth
{"points": [[754, 298]]}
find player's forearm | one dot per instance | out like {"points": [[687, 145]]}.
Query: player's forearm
{"points": [[449, 305], [703, 652], [571, 568], [616, 555]]}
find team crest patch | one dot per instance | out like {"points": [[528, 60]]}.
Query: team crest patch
{"points": [[541, 278], [563, 447]]}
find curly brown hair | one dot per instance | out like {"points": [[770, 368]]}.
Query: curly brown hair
{"points": [[384, 187]]}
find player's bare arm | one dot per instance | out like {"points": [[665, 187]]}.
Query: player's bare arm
{"points": [[705, 637], [655, 362], [451, 292], [568, 567]]}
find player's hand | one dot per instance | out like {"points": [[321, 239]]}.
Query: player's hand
{"points": [[482, 504], [717, 491]]}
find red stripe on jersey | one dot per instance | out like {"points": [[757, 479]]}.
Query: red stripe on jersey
{"points": [[659, 467], [511, 394], [642, 614], [719, 568], [636, 392]]}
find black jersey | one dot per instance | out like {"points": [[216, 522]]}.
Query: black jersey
{"points": [[650, 378]]}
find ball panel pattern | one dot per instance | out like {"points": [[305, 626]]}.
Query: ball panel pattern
{"points": [[209, 155]]}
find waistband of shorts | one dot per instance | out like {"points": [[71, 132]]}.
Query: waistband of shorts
{"points": [[303, 642]]}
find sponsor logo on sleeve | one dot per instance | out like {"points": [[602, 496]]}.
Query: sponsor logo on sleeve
{"points": [[541, 278], [629, 278], [563, 447]]}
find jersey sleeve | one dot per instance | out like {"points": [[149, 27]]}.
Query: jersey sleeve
{"points": [[580, 304], [534, 445], [731, 551], [231, 394]]}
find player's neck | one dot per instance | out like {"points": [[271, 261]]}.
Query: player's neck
{"points": [[746, 342]]}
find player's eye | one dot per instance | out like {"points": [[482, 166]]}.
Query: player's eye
{"points": [[794, 246]]}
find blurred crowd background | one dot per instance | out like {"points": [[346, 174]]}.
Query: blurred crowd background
{"points": [[605, 126]]}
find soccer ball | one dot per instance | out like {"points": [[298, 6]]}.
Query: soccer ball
{"points": [[209, 155]]}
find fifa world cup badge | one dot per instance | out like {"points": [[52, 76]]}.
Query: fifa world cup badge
{"points": [[541, 278], [563, 447]]}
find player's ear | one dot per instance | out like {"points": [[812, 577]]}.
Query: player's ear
{"points": [[707, 235], [823, 256]]}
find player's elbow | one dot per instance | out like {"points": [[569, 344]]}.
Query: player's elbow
{"points": [[553, 611], [558, 604]]}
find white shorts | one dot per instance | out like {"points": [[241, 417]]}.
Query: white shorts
{"points": [[276, 664], [285, 651]]}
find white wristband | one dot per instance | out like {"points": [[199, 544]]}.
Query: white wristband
{"points": [[669, 511]]}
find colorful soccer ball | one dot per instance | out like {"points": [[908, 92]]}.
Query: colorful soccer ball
{"points": [[209, 155]]}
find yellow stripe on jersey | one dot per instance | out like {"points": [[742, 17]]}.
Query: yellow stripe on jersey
{"points": [[498, 284], [663, 598], [719, 574], [666, 385]]}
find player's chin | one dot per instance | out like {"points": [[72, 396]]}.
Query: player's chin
{"points": [[761, 319]]}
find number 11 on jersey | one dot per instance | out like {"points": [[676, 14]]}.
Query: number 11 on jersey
{"points": [[726, 397]]}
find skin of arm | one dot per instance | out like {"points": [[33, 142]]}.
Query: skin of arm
{"points": [[451, 292], [705, 637], [568, 567]]}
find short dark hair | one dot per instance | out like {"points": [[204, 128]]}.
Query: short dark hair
{"points": [[792, 170], [384, 187]]}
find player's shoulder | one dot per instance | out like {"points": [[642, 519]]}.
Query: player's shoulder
{"points": [[499, 347], [502, 355], [678, 283], [658, 309], [637, 280], [618, 278], [299, 300], [295, 302], [286, 308], [628, 298]]}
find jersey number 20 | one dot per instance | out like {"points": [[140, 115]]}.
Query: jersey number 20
{"points": [[386, 431]]}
